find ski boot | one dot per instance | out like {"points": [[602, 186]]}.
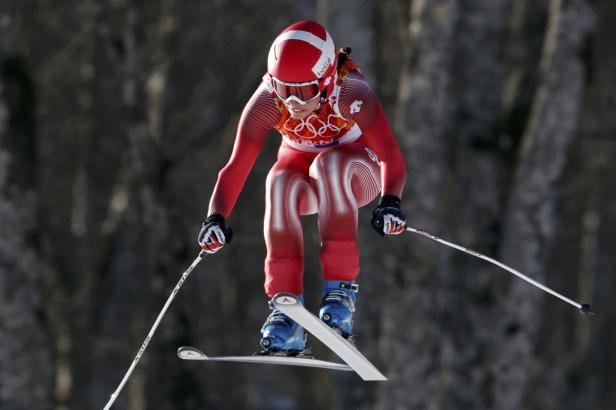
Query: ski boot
{"points": [[281, 336], [338, 305]]}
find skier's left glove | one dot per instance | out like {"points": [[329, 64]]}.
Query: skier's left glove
{"points": [[214, 234], [387, 218]]}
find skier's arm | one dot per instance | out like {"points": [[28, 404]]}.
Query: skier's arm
{"points": [[258, 117], [359, 103]]}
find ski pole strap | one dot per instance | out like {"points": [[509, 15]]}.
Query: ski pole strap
{"points": [[584, 308]]}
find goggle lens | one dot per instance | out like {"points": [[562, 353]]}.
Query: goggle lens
{"points": [[305, 92]]}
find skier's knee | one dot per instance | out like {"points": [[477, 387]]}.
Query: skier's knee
{"points": [[326, 165], [292, 190]]}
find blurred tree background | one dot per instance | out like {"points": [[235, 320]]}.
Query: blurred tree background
{"points": [[115, 117]]}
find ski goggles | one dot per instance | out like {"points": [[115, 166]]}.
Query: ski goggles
{"points": [[299, 92]]}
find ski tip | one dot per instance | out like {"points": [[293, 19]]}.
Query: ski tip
{"points": [[285, 299], [586, 310], [190, 353]]}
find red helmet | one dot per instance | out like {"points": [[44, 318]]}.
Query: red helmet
{"points": [[302, 53]]}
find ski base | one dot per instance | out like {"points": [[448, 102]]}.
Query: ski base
{"points": [[192, 353]]}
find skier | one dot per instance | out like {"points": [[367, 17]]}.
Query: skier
{"points": [[337, 154]]}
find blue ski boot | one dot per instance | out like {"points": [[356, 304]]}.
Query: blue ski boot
{"points": [[338, 305], [282, 336]]}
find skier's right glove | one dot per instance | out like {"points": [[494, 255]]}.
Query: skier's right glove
{"points": [[214, 234], [387, 218]]}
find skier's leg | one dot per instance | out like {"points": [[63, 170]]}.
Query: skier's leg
{"points": [[347, 178], [289, 194]]}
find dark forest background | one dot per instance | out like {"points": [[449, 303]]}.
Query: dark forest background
{"points": [[115, 117]]}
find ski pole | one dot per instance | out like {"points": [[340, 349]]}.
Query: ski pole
{"points": [[585, 308], [156, 323]]}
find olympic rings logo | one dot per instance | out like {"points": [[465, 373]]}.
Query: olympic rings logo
{"points": [[312, 127]]}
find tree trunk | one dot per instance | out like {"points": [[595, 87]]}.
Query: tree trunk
{"points": [[528, 237], [26, 359], [421, 123]]}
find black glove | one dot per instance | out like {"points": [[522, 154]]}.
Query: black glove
{"points": [[387, 219], [214, 234]]}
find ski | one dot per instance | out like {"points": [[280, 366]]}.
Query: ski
{"points": [[192, 353], [291, 306]]}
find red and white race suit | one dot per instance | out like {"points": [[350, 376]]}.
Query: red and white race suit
{"points": [[334, 161]]}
